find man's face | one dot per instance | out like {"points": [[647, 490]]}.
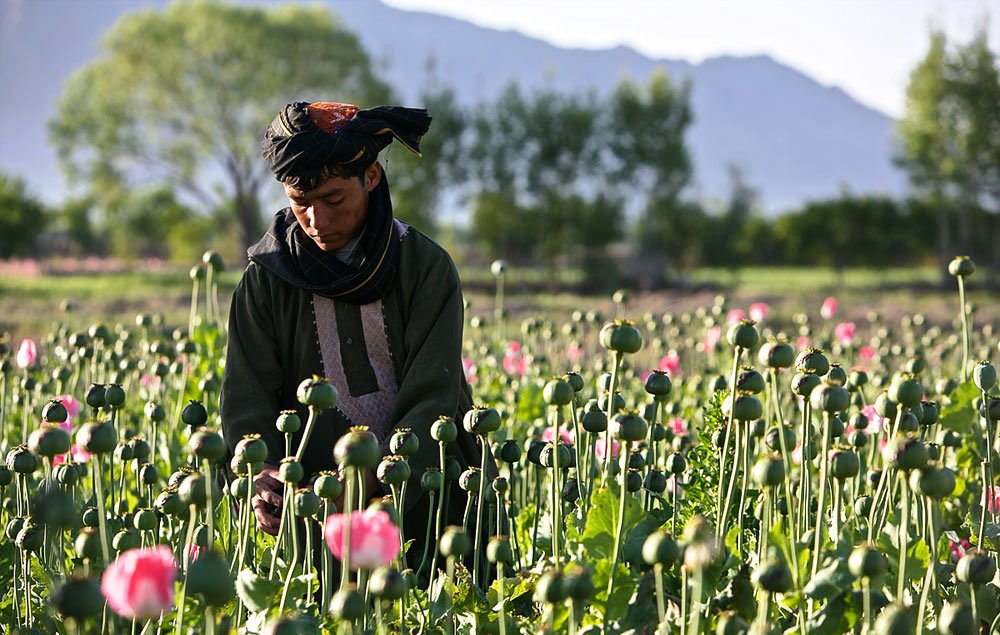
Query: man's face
{"points": [[334, 211]]}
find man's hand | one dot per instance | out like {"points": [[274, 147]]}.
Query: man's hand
{"points": [[267, 499]]}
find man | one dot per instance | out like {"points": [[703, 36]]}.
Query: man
{"points": [[339, 288]]}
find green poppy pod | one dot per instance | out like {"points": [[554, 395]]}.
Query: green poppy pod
{"points": [[178, 476], [49, 440], [95, 396], [676, 463], [658, 384], [452, 469], [747, 408], [961, 266], [557, 392], [885, 406], [730, 623], [984, 375], [957, 619], [905, 453], [633, 481], [316, 392], [776, 354], [561, 452], [393, 470], [933, 481], [575, 380], [30, 537], [857, 378], [169, 503], [97, 437], [866, 561], [455, 543], [404, 442], [772, 575], [64, 474], [207, 446], [284, 625], [621, 336], [906, 391], [743, 335], [123, 452], [804, 383], [78, 598], [631, 427], [251, 449], [387, 583], [813, 362], [140, 448], [844, 464], [358, 448], [114, 395], [858, 439], [444, 430], [54, 412], [154, 412], [194, 491], [208, 576], [328, 486], [239, 488], [836, 376], [470, 480], [551, 588], [579, 583], [830, 398], [749, 381], [594, 421], [125, 539], [618, 403], [194, 414], [87, 545], [863, 506], [773, 440], [768, 471], [930, 412], [660, 548], [896, 619], [498, 551], [305, 503], [654, 481], [290, 471], [431, 480], [482, 420], [976, 567], [347, 604], [288, 421], [509, 452]]}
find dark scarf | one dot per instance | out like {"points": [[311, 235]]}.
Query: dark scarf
{"points": [[290, 254]]}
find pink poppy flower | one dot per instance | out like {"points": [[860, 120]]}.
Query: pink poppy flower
{"points": [[27, 353], [469, 368], [993, 502], [829, 308], [671, 362], [513, 347], [515, 365], [958, 549], [564, 433], [374, 539], [712, 338], [671, 484], [845, 333], [140, 582], [874, 419], [866, 353], [79, 455], [759, 311], [677, 425], [734, 316], [803, 342], [574, 353]]}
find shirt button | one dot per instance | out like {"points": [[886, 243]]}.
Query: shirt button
{"points": [[350, 340]]}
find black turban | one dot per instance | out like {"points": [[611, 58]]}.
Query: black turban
{"points": [[306, 137]]}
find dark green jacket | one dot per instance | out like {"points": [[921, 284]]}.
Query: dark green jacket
{"points": [[274, 344]]}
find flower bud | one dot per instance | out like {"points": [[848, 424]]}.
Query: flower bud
{"points": [[984, 375], [961, 266], [316, 392]]}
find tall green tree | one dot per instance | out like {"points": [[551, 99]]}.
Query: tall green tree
{"points": [[950, 137], [182, 97], [22, 218], [651, 162]]}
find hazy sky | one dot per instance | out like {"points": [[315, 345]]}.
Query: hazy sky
{"points": [[866, 47]]}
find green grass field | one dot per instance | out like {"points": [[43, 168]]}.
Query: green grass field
{"points": [[29, 305]]}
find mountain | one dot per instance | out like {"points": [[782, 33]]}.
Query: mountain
{"points": [[793, 137]]}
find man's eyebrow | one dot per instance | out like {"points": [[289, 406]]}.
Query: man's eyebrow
{"points": [[301, 195]]}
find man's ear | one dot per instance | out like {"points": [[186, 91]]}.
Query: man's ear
{"points": [[373, 176]]}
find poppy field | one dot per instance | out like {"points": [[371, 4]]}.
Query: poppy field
{"points": [[728, 469]]}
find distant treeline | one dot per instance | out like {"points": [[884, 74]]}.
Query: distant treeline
{"points": [[546, 179]]}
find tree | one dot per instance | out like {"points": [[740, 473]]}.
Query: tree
{"points": [[182, 97], [950, 137], [22, 218]]}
